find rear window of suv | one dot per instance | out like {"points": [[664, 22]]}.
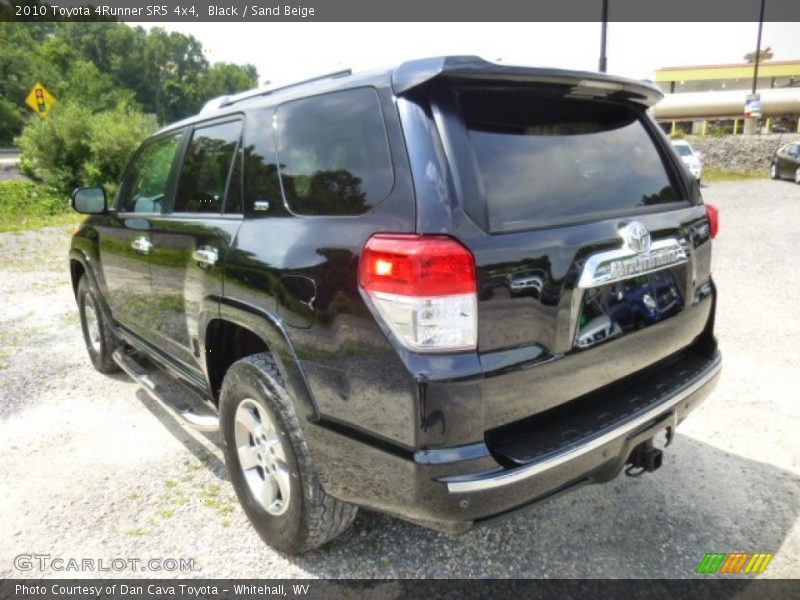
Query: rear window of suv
{"points": [[544, 160]]}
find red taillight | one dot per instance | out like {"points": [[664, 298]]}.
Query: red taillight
{"points": [[412, 265], [713, 219], [423, 288]]}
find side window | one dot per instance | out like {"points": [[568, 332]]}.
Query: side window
{"points": [[207, 168], [333, 153], [145, 186]]}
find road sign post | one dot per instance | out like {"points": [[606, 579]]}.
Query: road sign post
{"points": [[752, 113], [40, 100]]}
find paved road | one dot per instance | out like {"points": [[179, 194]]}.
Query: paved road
{"points": [[91, 470], [8, 168]]}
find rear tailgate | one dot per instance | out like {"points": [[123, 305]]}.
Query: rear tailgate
{"points": [[529, 343], [592, 248]]}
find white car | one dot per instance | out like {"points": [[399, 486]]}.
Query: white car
{"points": [[690, 158]]}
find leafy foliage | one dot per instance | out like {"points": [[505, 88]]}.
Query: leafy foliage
{"points": [[114, 84], [27, 205], [114, 136], [75, 147], [101, 65]]}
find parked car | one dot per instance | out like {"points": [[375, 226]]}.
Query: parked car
{"points": [[306, 260], [690, 158], [786, 163]]}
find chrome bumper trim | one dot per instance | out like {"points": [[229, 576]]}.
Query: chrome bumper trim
{"points": [[477, 483]]}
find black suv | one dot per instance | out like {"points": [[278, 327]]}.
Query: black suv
{"points": [[443, 291]]}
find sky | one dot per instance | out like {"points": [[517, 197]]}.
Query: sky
{"points": [[286, 52]]}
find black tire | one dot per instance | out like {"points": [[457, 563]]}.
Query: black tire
{"points": [[100, 344], [773, 171], [312, 517]]}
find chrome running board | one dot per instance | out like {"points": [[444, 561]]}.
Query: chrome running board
{"points": [[166, 398]]}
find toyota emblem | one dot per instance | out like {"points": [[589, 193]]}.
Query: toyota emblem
{"points": [[636, 237]]}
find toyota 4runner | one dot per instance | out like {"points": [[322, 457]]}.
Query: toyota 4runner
{"points": [[444, 291]]}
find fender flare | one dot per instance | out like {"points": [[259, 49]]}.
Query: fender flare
{"points": [[88, 264], [271, 331]]}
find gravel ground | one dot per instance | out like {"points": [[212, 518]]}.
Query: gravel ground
{"points": [[92, 469]]}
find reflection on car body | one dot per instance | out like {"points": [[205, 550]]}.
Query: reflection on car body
{"points": [[626, 306], [526, 283], [599, 329]]}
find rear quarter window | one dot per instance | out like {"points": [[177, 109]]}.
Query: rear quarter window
{"points": [[544, 161], [333, 153]]}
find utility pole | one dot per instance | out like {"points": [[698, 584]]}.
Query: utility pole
{"points": [[603, 61], [758, 45], [752, 111]]}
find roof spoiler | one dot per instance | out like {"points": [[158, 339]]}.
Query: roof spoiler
{"points": [[413, 74]]}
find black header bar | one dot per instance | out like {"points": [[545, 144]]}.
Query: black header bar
{"points": [[399, 10]]}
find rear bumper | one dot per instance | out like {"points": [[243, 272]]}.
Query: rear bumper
{"points": [[452, 488], [668, 413]]}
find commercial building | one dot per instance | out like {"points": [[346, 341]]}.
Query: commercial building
{"points": [[703, 99]]}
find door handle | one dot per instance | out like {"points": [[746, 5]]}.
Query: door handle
{"points": [[142, 245], [206, 256]]}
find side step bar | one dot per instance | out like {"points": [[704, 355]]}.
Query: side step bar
{"points": [[165, 398]]}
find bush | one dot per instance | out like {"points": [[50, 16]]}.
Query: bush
{"points": [[113, 138], [54, 149], [27, 205], [74, 147]]}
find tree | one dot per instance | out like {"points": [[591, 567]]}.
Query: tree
{"points": [[226, 78], [106, 64], [20, 69], [764, 54]]}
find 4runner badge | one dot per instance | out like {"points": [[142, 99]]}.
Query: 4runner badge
{"points": [[637, 256]]}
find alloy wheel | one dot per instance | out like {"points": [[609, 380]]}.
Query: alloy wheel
{"points": [[261, 457]]}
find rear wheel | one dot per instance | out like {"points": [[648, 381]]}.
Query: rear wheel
{"points": [[97, 335], [269, 462], [773, 171]]}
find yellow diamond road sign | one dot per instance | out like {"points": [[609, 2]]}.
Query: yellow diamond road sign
{"points": [[40, 100]]}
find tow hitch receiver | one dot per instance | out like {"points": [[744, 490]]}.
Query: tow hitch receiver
{"points": [[644, 458]]}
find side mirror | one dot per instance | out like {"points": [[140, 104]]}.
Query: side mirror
{"points": [[89, 201], [699, 155]]}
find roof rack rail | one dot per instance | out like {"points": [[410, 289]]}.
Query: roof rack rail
{"points": [[266, 90]]}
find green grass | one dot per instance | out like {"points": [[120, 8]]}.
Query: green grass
{"points": [[26, 205], [712, 175]]}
